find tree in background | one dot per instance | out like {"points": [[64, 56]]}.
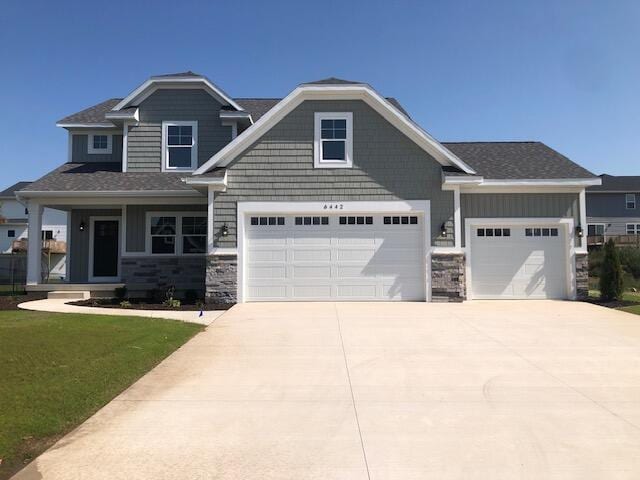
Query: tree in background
{"points": [[611, 287]]}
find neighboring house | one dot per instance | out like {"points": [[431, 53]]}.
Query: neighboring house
{"points": [[613, 210], [332, 193], [13, 227]]}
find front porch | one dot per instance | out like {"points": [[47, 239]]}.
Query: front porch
{"points": [[95, 289]]}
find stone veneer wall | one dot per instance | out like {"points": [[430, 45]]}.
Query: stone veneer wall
{"points": [[142, 274], [582, 276], [222, 279], [448, 277]]}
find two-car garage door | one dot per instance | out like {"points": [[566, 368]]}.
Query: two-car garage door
{"points": [[334, 257], [518, 261]]}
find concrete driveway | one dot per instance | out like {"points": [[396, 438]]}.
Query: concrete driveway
{"points": [[486, 390]]}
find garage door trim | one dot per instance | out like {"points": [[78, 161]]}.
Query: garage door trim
{"points": [[244, 209], [566, 223]]}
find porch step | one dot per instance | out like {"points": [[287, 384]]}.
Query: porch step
{"points": [[69, 295]]}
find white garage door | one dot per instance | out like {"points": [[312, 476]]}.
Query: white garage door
{"points": [[334, 257], [518, 261]]}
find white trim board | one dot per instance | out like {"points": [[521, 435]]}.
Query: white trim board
{"points": [[332, 92], [422, 207], [567, 223], [92, 220]]}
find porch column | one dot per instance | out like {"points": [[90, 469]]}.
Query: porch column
{"points": [[210, 198], [34, 248]]}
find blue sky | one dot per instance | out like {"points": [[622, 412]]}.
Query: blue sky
{"points": [[563, 72]]}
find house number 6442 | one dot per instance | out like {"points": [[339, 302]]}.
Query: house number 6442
{"points": [[333, 206]]}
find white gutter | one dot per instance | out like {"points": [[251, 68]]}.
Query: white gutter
{"points": [[108, 193]]}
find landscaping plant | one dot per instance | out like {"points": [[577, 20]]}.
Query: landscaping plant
{"points": [[611, 286]]}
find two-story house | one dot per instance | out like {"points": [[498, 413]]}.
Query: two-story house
{"points": [[331, 193], [613, 210], [13, 230]]}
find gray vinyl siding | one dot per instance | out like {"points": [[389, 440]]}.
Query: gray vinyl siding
{"points": [[614, 225], [386, 166], [611, 205], [79, 249], [519, 205], [137, 219], [79, 150], [145, 139]]}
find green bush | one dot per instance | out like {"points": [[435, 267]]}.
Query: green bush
{"points": [[611, 287], [630, 260]]}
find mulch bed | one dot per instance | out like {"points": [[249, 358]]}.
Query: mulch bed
{"points": [[143, 304], [613, 304], [10, 302]]}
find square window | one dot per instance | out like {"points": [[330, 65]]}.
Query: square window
{"points": [[489, 232], [272, 220], [386, 220], [480, 232], [554, 232], [100, 142], [537, 232], [254, 220], [194, 243], [405, 220], [316, 220], [528, 232], [263, 220], [506, 232], [325, 220], [343, 220], [307, 220], [545, 232], [163, 244], [11, 233], [396, 220], [631, 229], [360, 220], [369, 220], [351, 220], [333, 150], [280, 220], [497, 232], [413, 220], [298, 220]]}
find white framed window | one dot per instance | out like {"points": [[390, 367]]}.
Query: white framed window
{"points": [[595, 229], [179, 146], [333, 140], [630, 201], [173, 233], [633, 228], [99, 143]]}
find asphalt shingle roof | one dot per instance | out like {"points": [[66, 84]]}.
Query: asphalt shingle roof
{"points": [[11, 191], [105, 176], [611, 183], [516, 160], [94, 114], [333, 81]]}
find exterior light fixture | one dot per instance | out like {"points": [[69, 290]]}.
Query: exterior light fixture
{"points": [[82, 226], [224, 231], [579, 231], [443, 230]]}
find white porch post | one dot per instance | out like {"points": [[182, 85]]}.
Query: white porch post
{"points": [[457, 218], [34, 249], [210, 197], [582, 205]]}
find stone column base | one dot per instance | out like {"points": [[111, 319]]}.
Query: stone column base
{"points": [[448, 277], [582, 276], [222, 279]]}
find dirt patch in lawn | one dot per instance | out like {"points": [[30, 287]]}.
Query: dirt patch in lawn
{"points": [[11, 302], [143, 304]]}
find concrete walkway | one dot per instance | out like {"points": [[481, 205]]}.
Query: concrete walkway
{"points": [[360, 391], [61, 306]]}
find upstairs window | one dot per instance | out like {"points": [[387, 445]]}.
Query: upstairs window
{"points": [[99, 143], [333, 140], [179, 146], [630, 201]]}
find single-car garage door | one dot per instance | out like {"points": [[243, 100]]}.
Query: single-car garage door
{"points": [[334, 257], [518, 261]]}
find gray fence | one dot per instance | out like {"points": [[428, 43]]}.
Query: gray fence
{"points": [[13, 272]]}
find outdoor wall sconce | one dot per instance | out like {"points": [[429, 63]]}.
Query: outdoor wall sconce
{"points": [[82, 226], [579, 231], [224, 231], [443, 230]]}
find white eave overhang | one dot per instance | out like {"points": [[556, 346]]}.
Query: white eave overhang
{"points": [[335, 92], [106, 194], [217, 183], [478, 183], [124, 116], [87, 125]]}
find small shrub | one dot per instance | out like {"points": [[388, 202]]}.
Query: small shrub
{"points": [[630, 260], [190, 297], [125, 304], [611, 286], [170, 300], [121, 293]]}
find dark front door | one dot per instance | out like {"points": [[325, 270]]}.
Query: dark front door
{"points": [[105, 248]]}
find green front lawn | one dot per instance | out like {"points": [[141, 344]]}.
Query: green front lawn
{"points": [[633, 309], [56, 370]]}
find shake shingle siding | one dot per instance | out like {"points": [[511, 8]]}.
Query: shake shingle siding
{"points": [[386, 166], [80, 151], [145, 139]]}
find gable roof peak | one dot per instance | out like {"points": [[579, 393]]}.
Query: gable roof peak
{"points": [[333, 81], [188, 73]]}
